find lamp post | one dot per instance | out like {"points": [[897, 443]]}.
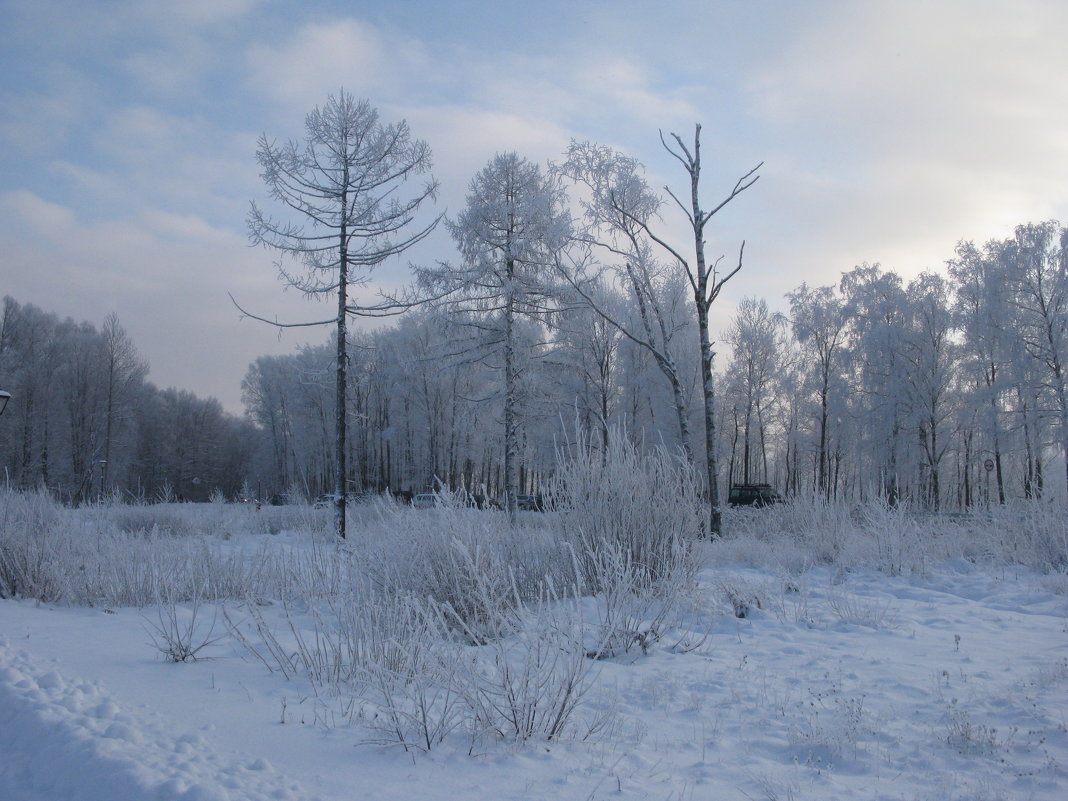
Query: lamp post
{"points": [[4, 398]]}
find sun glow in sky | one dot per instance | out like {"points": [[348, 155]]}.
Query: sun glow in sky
{"points": [[889, 130]]}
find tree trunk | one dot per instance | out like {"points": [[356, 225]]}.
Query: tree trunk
{"points": [[509, 408], [340, 451]]}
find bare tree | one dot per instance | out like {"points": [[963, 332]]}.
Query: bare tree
{"points": [[706, 283], [346, 183]]}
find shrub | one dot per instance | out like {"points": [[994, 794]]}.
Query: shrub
{"points": [[646, 507]]}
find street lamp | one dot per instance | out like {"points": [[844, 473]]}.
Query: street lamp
{"points": [[4, 398]]}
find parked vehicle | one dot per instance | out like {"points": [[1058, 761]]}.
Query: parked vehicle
{"points": [[529, 503], [425, 500], [759, 495], [329, 499]]}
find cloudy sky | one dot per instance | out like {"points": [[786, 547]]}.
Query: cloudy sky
{"points": [[889, 131]]}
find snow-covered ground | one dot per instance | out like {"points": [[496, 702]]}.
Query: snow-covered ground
{"points": [[838, 684]]}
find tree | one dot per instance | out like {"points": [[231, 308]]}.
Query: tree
{"points": [[508, 235], [124, 370], [627, 203], [346, 182], [932, 360], [1036, 268], [875, 309], [982, 313], [706, 283], [588, 347], [819, 318], [758, 343], [617, 210]]}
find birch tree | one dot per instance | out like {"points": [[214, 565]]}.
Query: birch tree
{"points": [[758, 342], [617, 209], [706, 281], [351, 184], [818, 318], [1036, 267]]}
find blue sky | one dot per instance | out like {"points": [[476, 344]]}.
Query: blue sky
{"points": [[889, 130]]}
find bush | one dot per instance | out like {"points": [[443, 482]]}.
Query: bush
{"points": [[894, 539], [641, 513]]}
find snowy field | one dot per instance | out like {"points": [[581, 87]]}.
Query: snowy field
{"points": [[880, 656]]}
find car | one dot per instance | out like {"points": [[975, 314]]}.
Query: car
{"points": [[529, 503], [328, 500], [425, 500], [758, 495]]}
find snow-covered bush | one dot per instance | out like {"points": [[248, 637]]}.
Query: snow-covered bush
{"points": [[470, 562], [644, 505], [120, 556], [897, 540], [531, 685], [630, 521], [398, 664]]}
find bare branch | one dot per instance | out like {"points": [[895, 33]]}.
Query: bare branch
{"points": [[275, 323]]}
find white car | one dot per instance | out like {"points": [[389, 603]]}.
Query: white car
{"points": [[425, 500]]}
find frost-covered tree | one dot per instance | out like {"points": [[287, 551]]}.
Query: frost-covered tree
{"points": [[705, 278], [758, 345], [931, 355], [818, 319], [983, 316], [509, 236], [124, 371], [587, 357], [1035, 263], [706, 282], [618, 205], [875, 306], [351, 185]]}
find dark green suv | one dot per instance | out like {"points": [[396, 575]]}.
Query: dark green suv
{"points": [[753, 495]]}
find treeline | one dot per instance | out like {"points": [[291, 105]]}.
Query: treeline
{"points": [[84, 422], [872, 387], [948, 390]]}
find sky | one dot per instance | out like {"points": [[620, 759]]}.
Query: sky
{"points": [[889, 130]]}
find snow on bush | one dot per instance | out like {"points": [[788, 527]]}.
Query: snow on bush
{"points": [[896, 540], [131, 556]]}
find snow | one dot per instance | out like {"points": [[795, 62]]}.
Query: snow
{"points": [[836, 685]]}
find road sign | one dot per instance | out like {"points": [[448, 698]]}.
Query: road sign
{"points": [[989, 465]]}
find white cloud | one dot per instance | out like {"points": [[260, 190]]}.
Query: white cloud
{"points": [[321, 58], [928, 122], [166, 275], [45, 219]]}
